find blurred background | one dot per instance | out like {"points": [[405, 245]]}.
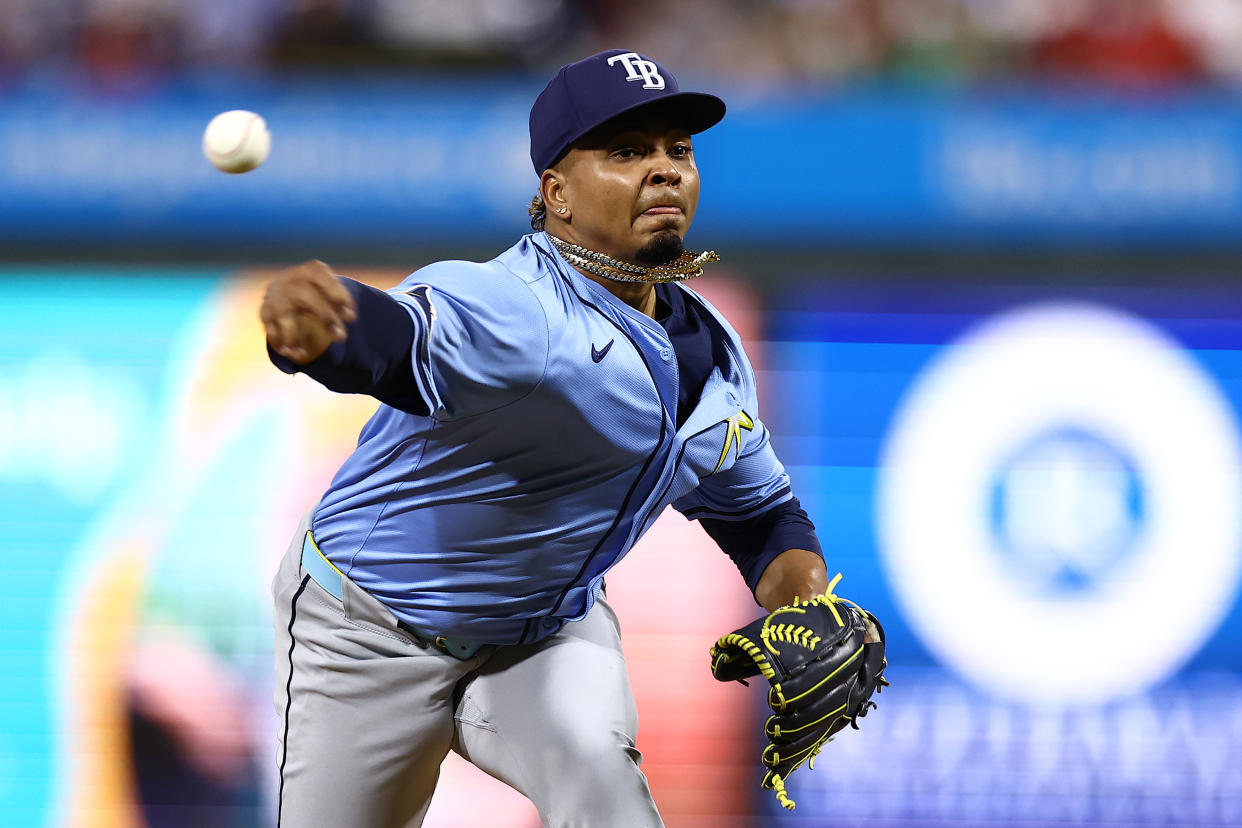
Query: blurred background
{"points": [[985, 255]]}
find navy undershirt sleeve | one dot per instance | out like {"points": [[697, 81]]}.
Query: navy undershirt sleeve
{"points": [[755, 542], [375, 357], [752, 543]]}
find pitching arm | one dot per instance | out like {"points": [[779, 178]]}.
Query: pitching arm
{"points": [[453, 340], [348, 336]]}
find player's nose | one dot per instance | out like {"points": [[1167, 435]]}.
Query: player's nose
{"points": [[664, 171]]}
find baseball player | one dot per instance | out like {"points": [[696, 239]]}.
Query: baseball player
{"points": [[537, 413]]}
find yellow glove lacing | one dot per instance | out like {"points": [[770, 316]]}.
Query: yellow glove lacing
{"points": [[770, 635], [778, 784]]}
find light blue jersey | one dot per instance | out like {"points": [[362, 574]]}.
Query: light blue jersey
{"points": [[551, 447]]}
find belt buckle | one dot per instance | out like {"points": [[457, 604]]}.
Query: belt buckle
{"points": [[457, 648], [461, 650]]}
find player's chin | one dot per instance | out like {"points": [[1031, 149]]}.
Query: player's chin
{"points": [[660, 248]]}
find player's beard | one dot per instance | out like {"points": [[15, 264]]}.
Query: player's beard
{"points": [[665, 247]]}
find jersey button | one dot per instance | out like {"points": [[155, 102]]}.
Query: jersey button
{"points": [[665, 354]]}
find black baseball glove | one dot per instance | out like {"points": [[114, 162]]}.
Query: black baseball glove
{"points": [[823, 659]]}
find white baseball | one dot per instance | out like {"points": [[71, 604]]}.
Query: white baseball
{"points": [[236, 141]]}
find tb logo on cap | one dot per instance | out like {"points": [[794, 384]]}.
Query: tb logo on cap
{"points": [[638, 68]]}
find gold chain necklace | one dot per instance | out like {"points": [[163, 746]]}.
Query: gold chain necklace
{"points": [[687, 266]]}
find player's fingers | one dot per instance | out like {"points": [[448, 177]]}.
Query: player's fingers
{"points": [[279, 303], [283, 336], [336, 293], [307, 300], [268, 315]]}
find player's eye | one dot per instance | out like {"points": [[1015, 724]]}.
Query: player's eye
{"points": [[625, 153], [680, 150]]}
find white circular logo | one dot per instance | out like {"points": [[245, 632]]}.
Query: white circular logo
{"points": [[1059, 505], [1065, 508]]}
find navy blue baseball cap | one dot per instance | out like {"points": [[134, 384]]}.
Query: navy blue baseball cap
{"points": [[595, 90]]}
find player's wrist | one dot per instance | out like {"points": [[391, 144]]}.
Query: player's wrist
{"points": [[795, 573]]}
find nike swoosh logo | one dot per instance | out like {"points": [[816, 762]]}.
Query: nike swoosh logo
{"points": [[598, 354]]}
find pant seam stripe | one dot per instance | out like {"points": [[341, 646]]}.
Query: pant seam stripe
{"points": [[284, 742]]}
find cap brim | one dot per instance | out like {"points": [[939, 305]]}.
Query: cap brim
{"points": [[696, 111]]}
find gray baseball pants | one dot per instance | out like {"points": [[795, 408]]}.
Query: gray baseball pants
{"points": [[368, 713]]}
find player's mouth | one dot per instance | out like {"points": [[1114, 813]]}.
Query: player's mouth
{"points": [[664, 210]]}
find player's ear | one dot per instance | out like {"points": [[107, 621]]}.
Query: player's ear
{"points": [[552, 188]]}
